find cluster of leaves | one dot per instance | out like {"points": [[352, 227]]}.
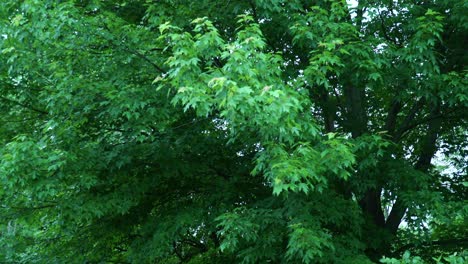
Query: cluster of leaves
{"points": [[408, 259], [233, 132]]}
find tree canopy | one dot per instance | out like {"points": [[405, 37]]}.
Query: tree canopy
{"points": [[253, 131]]}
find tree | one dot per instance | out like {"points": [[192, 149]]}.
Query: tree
{"points": [[232, 131]]}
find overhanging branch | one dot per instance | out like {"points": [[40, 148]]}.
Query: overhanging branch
{"points": [[29, 107], [454, 242]]}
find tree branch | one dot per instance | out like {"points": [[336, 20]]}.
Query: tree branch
{"points": [[29, 208], [396, 215], [371, 203], [254, 11], [141, 56], [455, 242], [390, 124], [428, 119], [24, 105], [428, 150], [134, 52], [409, 118]]}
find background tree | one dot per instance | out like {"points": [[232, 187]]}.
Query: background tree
{"points": [[232, 131]]}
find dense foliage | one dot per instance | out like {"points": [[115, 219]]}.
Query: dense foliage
{"points": [[139, 131]]}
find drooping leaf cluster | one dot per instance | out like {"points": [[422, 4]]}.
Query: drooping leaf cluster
{"points": [[233, 131]]}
